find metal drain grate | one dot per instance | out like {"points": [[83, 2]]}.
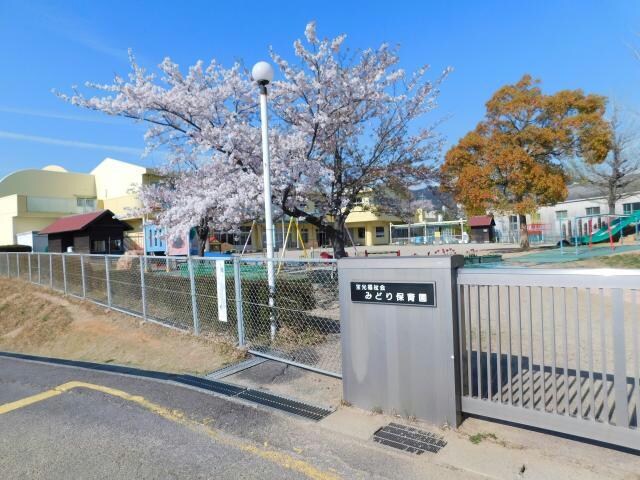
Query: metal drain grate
{"points": [[236, 368], [409, 439], [284, 404], [256, 396], [274, 401], [211, 385]]}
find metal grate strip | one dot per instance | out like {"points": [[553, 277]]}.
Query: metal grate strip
{"points": [[284, 404], [211, 385], [227, 389], [409, 439], [235, 368]]}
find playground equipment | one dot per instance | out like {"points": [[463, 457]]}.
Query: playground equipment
{"points": [[597, 230], [155, 242], [292, 221], [429, 233]]}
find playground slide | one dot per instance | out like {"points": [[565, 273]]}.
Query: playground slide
{"points": [[618, 225]]}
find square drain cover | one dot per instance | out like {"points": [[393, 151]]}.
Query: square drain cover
{"points": [[409, 439]]}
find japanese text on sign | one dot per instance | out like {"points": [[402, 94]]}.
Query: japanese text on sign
{"points": [[419, 294]]}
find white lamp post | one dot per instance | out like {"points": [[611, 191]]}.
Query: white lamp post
{"points": [[262, 74]]}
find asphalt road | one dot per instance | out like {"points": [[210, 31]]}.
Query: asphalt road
{"points": [[62, 422]]}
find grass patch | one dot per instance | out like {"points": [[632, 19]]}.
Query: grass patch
{"points": [[622, 260], [480, 437]]}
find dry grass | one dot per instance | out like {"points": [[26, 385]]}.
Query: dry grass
{"points": [[39, 321]]}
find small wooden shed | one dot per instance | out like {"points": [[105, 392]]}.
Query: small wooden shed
{"points": [[95, 232], [483, 229]]}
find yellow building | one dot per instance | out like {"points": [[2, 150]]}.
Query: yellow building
{"points": [[366, 226], [32, 199]]}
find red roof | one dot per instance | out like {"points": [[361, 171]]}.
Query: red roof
{"points": [[74, 223], [481, 221]]}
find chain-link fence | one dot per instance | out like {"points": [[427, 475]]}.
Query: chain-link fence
{"points": [[297, 321]]}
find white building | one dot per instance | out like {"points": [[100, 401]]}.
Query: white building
{"points": [[549, 223]]}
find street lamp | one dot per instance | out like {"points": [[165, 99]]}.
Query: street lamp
{"points": [[262, 74]]}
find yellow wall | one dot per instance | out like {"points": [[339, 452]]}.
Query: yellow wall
{"points": [[114, 178], [121, 205], [45, 183], [8, 210], [110, 183]]}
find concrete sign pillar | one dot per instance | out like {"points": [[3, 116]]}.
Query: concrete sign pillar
{"points": [[399, 332]]}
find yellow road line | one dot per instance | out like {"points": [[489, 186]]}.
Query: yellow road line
{"points": [[24, 402], [279, 458]]}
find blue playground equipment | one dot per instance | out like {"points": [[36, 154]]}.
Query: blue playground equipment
{"points": [[154, 240]]}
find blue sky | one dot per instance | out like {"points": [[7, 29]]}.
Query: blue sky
{"points": [[54, 45]]}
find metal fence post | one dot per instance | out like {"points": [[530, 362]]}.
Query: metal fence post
{"points": [[84, 283], [106, 271], [17, 265], [64, 274], [194, 301], [239, 312], [619, 359], [39, 271], [51, 271], [8, 266], [29, 266], [143, 261]]}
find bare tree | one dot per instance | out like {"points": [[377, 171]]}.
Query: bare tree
{"points": [[619, 171]]}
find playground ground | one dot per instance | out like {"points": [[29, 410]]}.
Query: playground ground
{"points": [[546, 256]]}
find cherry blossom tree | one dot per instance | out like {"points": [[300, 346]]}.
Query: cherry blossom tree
{"points": [[343, 124]]}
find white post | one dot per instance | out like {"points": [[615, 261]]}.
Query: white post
{"points": [[143, 290], [50, 271], [107, 279], [84, 282], [268, 220], [39, 273], [194, 301], [29, 264], [239, 312], [64, 273]]}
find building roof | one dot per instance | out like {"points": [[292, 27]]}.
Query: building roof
{"points": [[481, 221], [579, 191], [75, 223]]}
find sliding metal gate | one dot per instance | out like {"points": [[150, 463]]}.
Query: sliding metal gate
{"points": [[553, 349]]}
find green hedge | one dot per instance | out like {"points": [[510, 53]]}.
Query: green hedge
{"points": [[15, 248], [168, 296]]}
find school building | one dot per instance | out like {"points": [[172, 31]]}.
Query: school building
{"points": [[31, 199]]}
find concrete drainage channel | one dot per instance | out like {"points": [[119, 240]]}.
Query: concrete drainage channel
{"points": [[276, 402]]}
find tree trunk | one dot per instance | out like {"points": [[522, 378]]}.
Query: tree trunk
{"points": [[524, 233], [612, 203], [338, 240], [202, 231]]}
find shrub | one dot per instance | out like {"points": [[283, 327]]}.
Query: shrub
{"points": [[15, 248]]}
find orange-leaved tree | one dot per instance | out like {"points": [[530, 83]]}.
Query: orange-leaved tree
{"points": [[516, 159]]}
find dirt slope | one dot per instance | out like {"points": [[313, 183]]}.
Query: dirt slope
{"points": [[39, 321]]}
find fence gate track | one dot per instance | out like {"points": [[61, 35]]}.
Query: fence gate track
{"points": [[223, 297]]}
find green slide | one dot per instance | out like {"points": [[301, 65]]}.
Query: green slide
{"points": [[617, 226]]}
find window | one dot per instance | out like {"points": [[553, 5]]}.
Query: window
{"points": [[361, 232], [562, 214], [86, 204], [304, 233], [115, 245], [629, 208], [379, 232], [593, 210], [99, 246]]}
